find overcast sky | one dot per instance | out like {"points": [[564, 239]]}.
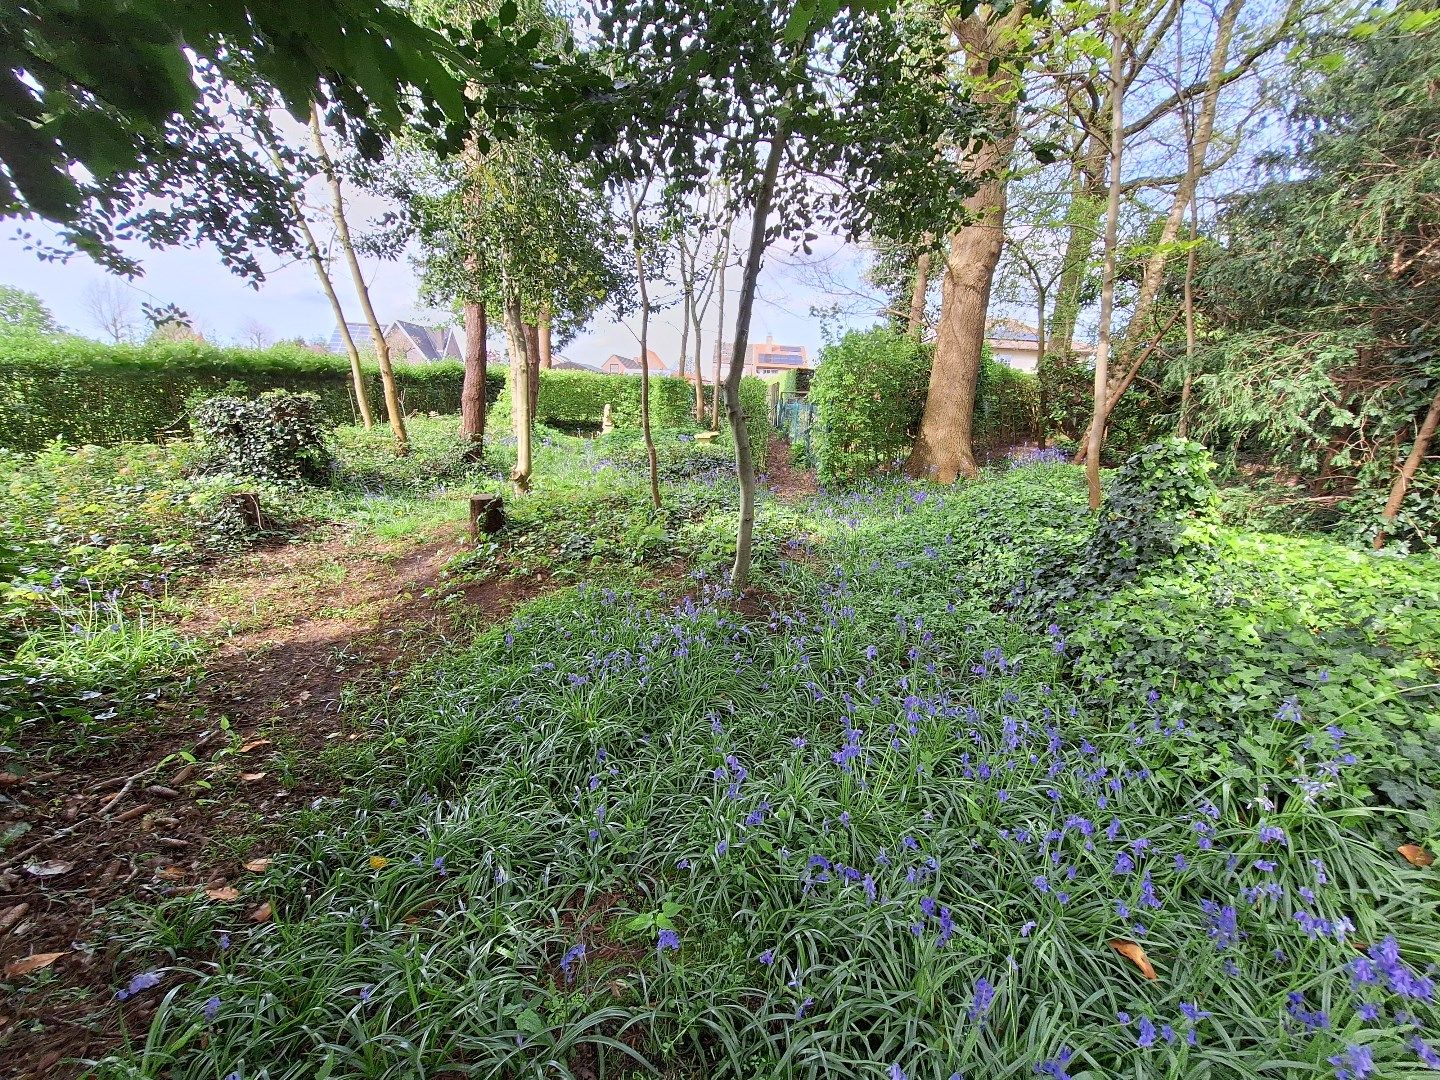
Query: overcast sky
{"points": [[290, 302]]}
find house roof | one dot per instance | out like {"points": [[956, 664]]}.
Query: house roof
{"points": [[437, 344], [632, 363], [1015, 330], [768, 354]]}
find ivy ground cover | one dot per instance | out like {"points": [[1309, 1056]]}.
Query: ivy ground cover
{"points": [[871, 826]]}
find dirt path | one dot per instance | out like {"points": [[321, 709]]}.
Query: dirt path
{"points": [[789, 482], [298, 636]]}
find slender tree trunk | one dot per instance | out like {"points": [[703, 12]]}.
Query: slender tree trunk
{"points": [[1107, 271], [720, 338], [1039, 326], [1083, 220], [520, 416], [472, 390], [699, 367], [744, 462], [544, 328], [532, 356], [916, 325], [1182, 425], [393, 408], [687, 301], [1407, 471], [638, 247], [943, 448]]}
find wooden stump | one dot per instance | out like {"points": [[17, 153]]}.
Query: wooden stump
{"points": [[248, 504], [487, 515]]}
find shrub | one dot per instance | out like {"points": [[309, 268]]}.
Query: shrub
{"points": [[84, 392], [277, 438], [868, 394]]}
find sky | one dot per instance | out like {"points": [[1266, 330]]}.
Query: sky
{"points": [[290, 303]]}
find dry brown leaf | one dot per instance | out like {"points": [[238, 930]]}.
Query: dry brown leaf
{"points": [[253, 744], [31, 963], [258, 866], [251, 777], [8, 779], [1136, 955], [223, 892], [49, 868], [170, 873], [1415, 855], [262, 913]]}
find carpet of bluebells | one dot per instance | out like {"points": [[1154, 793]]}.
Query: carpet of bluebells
{"points": [[863, 824]]}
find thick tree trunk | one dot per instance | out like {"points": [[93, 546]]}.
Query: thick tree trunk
{"points": [[739, 433], [520, 416], [1407, 472], [916, 323], [1107, 271], [472, 390], [943, 448], [393, 408]]}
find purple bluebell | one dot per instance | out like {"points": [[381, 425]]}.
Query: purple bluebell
{"points": [[667, 939]]}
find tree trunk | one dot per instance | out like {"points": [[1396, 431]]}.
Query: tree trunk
{"points": [[943, 448], [1412, 465], [544, 327], [744, 462], [720, 338], [916, 325], [317, 263], [1107, 271], [393, 408], [520, 417], [1083, 219], [532, 356], [472, 390], [638, 248]]}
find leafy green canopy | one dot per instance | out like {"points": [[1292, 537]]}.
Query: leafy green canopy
{"points": [[106, 105], [24, 312]]}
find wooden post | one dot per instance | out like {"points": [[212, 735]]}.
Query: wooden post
{"points": [[487, 515], [248, 504]]}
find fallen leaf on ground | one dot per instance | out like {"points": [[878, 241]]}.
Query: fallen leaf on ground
{"points": [[49, 868], [258, 866], [251, 777], [223, 892], [31, 963], [170, 873], [253, 744], [8, 779], [1136, 955], [262, 913], [1415, 855]]}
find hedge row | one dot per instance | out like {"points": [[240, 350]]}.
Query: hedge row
{"points": [[869, 394], [576, 400], [84, 392]]}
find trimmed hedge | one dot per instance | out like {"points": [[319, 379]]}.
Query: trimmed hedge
{"points": [[576, 399], [82, 391], [869, 395]]}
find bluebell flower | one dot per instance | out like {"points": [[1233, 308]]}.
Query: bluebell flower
{"points": [[1056, 1067], [1356, 1063], [143, 981], [1146, 1037], [1424, 1052], [897, 1073], [802, 1007], [573, 955], [767, 957], [211, 1009], [983, 997], [667, 939]]}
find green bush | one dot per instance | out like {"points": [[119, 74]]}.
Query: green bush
{"points": [[277, 438], [83, 392], [868, 395], [576, 400]]}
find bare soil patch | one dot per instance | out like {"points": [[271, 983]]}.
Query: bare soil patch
{"points": [[299, 637]]}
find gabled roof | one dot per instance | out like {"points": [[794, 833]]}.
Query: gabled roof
{"points": [[432, 344], [632, 363]]}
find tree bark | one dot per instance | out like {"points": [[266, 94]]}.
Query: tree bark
{"points": [[520, 416], [472, 390], [638, 248], [317, 261], [393, 408], [720, 337], [744, 461], [1083, 219], [916, 324], [1107, 271], [532, 356], [1407, 471], [943, 448], [544, 327]]}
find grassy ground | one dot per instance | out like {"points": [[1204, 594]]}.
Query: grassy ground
{"points": [[883, 817]]}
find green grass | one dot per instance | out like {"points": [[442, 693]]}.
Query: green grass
{"points": [[892, 826]]}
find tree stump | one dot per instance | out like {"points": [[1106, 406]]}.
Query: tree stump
{"points": [[487, 515], [248, 505]]}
